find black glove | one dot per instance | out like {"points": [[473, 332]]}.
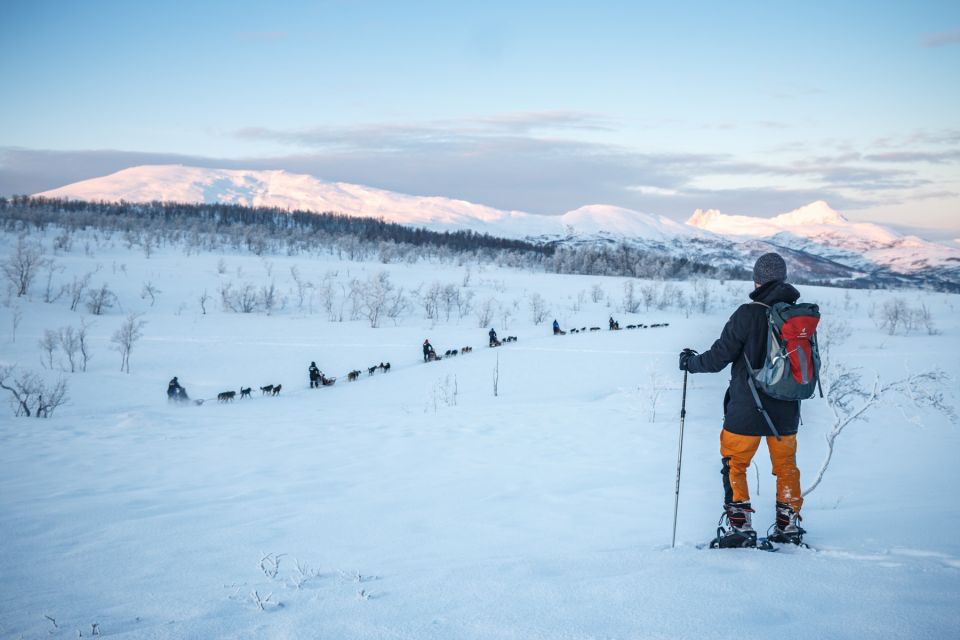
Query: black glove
{"points": [[685, 356]]}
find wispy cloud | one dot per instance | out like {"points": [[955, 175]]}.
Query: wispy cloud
{"points": [[529, 121], [932, 157], [439, 134], [941, 39]]}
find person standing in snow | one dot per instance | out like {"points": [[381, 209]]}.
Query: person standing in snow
{"points": [[428, 352], [556, 328], [743, 425], [314, 376], [494, 342]]}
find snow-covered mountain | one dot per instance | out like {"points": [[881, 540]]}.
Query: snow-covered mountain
{"points": [[826, 245], [177, 183], [816, 227], [815, 221]]}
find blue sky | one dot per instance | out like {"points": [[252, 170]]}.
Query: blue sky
{"points": [[751, 108]]}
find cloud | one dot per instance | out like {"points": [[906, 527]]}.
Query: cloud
{"points": [[26, 171], [941, 39], [441, 134], [511, 173], [528, 121], [534, 161], [932, 157]]}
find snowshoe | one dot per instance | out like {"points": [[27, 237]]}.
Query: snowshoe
{"points": [[735, 530], [732, 539], [787, 529]]}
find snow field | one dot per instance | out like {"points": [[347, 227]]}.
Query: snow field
{"points": [[545, 511]]}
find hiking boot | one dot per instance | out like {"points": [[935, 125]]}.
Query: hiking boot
{"points": [[787, 529], [735, 528]]}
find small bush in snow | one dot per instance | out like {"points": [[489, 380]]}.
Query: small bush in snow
{"points": [[596, 293], [100, 300], [896, 315], [538, 308], [631, 304], [31, 395], [484, 312]]}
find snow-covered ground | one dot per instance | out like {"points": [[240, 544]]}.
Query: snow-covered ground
{"points": [[416, 503]]}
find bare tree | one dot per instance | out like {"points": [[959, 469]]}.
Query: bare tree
{"points": [[29, 390], [538, 308], [77, 288], [100, 300], [302, 286], [268, 296], [484, 313], [354, 295], [22, 265], [49, 295], [204, 299], [649, 294], [464, 304], [701, 295], [375, 297], [925, 318], [244, 300], [596, 293], [23, 387], [505, 314], [450, 297], [850, 401], [49, 399], [397, 305], [669, 294], [70, 343], [430, 301], [893, 315], [126, 336], [15, 318], [84, 344], [631, 304], [50, 342], [654, 390], [328, 295], [150, 291]]}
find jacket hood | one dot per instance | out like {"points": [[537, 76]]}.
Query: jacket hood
{"points": [[775, 291]]}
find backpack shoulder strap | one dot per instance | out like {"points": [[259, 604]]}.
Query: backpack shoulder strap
{"points": [[756, 397]]}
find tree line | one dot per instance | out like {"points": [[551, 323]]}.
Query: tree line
{"points": [[270, 230]]}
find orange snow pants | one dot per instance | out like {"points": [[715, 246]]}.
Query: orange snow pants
{"points": [[737, 451]]}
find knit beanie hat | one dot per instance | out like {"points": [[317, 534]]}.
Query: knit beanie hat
{"points": [[769, 267]]}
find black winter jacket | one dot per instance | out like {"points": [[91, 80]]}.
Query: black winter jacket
{"points": [[746, 332]]}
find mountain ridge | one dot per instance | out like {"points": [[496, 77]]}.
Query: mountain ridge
{"points": [[814, 229]]}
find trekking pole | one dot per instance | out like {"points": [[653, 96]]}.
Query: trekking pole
{"points": [[676, 499]]}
